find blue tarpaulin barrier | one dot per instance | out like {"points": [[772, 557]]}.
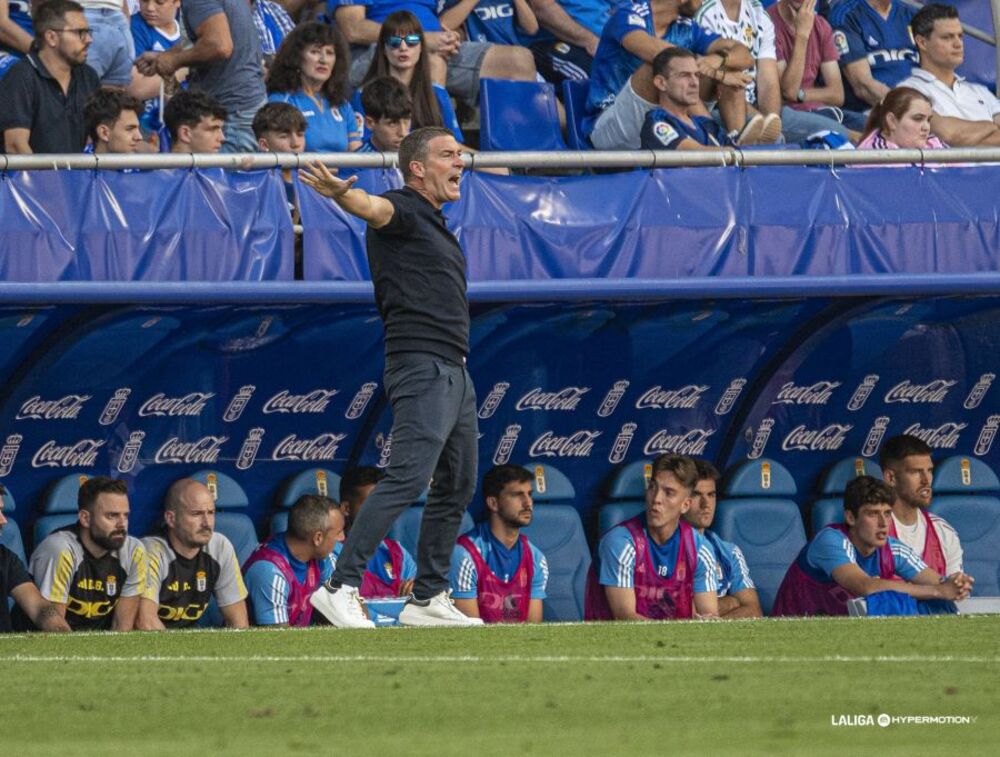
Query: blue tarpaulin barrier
{"points": [[153, 382], [166, 225], [677, 223]]}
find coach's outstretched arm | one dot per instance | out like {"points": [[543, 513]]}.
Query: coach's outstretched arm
{"points": [[373, 210]]}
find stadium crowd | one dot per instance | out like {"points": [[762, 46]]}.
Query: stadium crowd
{"points": [[664, 563], [660, 74]]}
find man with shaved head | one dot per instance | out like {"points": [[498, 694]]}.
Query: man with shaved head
{"points": [[188, 563]]}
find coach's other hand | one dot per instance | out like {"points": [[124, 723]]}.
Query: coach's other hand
{"points": [[319, 178]]}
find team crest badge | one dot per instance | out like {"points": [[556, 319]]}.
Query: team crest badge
{"points": [[111, 586], [201, 580], [840, 42], [388, 570], [562, 48], [336, 115]]}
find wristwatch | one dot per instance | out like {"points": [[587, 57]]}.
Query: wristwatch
{"points": [[801, 96]]}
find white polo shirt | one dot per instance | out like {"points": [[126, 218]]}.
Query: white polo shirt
{"points": [[972, 102]]}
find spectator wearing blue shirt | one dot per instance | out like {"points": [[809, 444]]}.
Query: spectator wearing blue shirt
{"points": [[388, 113], [155, 28], [496, 573], [455, 63], [391, 570], [621, 86], [737, 593], [676, 123], [283, 572], [310, 72], [112, 118], [16, 32], [860, 559], [656, 566], [876, 51]]}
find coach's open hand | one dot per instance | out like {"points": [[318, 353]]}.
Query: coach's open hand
{"points": [[319, 178]]}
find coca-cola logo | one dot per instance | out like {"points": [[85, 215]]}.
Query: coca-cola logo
{"points": [[811, 394], [322, 447], [202, 451], [567, 398], [577, 444], [683, 398], [189, 405], [691, 442], [827, 439], [82, 454], [933, 392], [944, 436], [315, 401], [64, 408]]}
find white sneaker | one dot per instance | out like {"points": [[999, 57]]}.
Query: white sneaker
{"points": [[342, 607], [439, 611]]}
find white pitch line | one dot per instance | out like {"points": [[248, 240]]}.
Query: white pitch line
{"points": [[454, 659]]}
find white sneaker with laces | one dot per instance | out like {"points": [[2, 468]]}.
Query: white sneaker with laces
{"points": [[439, 610], [342, 607]]}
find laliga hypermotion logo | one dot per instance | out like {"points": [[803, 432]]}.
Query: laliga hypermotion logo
{"points": [[9, 453], [130, 452], [114, 406], [983, 443], [810, 394], [62, 409], [238, 403], [577, 444], [493, 400], [979, 391], [501, 456], [360, 401], [685, 398], [620, 448], [875, 435], [944, 436], [610, 402], [567, 398], [729, 397], [82, 454], [863, 392], [315, 401], [249, 449], [827, 439]]}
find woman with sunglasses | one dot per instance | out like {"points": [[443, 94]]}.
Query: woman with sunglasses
{"points": [[310, 72], [399, 55]]}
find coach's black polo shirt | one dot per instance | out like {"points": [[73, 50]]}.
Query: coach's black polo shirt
{"points": [[31, 99], [418, 270]]}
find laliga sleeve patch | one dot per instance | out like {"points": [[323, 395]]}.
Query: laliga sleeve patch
{"points": [[634, 19], [840, 42], [664, 132], [359, 124]]}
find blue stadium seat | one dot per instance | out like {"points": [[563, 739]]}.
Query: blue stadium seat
{"points": [[235, 526], [10, 537], [59, 505], [758, 514], [628, 490], [312, 481], [575, 102], [558, 532], [556, 529], [406, 529], [518, 115], [829, 508], [960, 486]]}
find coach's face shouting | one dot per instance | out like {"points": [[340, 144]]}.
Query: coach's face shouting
{"points": [[442, 170]]}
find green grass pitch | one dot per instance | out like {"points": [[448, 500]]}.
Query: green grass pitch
{"points": [[757, 687]]}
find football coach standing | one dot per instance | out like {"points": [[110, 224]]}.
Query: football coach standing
{"points": [[418, 270]]}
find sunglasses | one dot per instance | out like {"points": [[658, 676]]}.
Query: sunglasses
{"points": [[395, 41]]}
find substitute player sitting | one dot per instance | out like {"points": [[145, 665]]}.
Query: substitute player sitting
{"points": [[188, 563], [496, 573], [860, 559], [284, 571], [655, 566]]}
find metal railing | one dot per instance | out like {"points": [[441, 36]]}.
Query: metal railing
{"points": [[563, 160]]}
